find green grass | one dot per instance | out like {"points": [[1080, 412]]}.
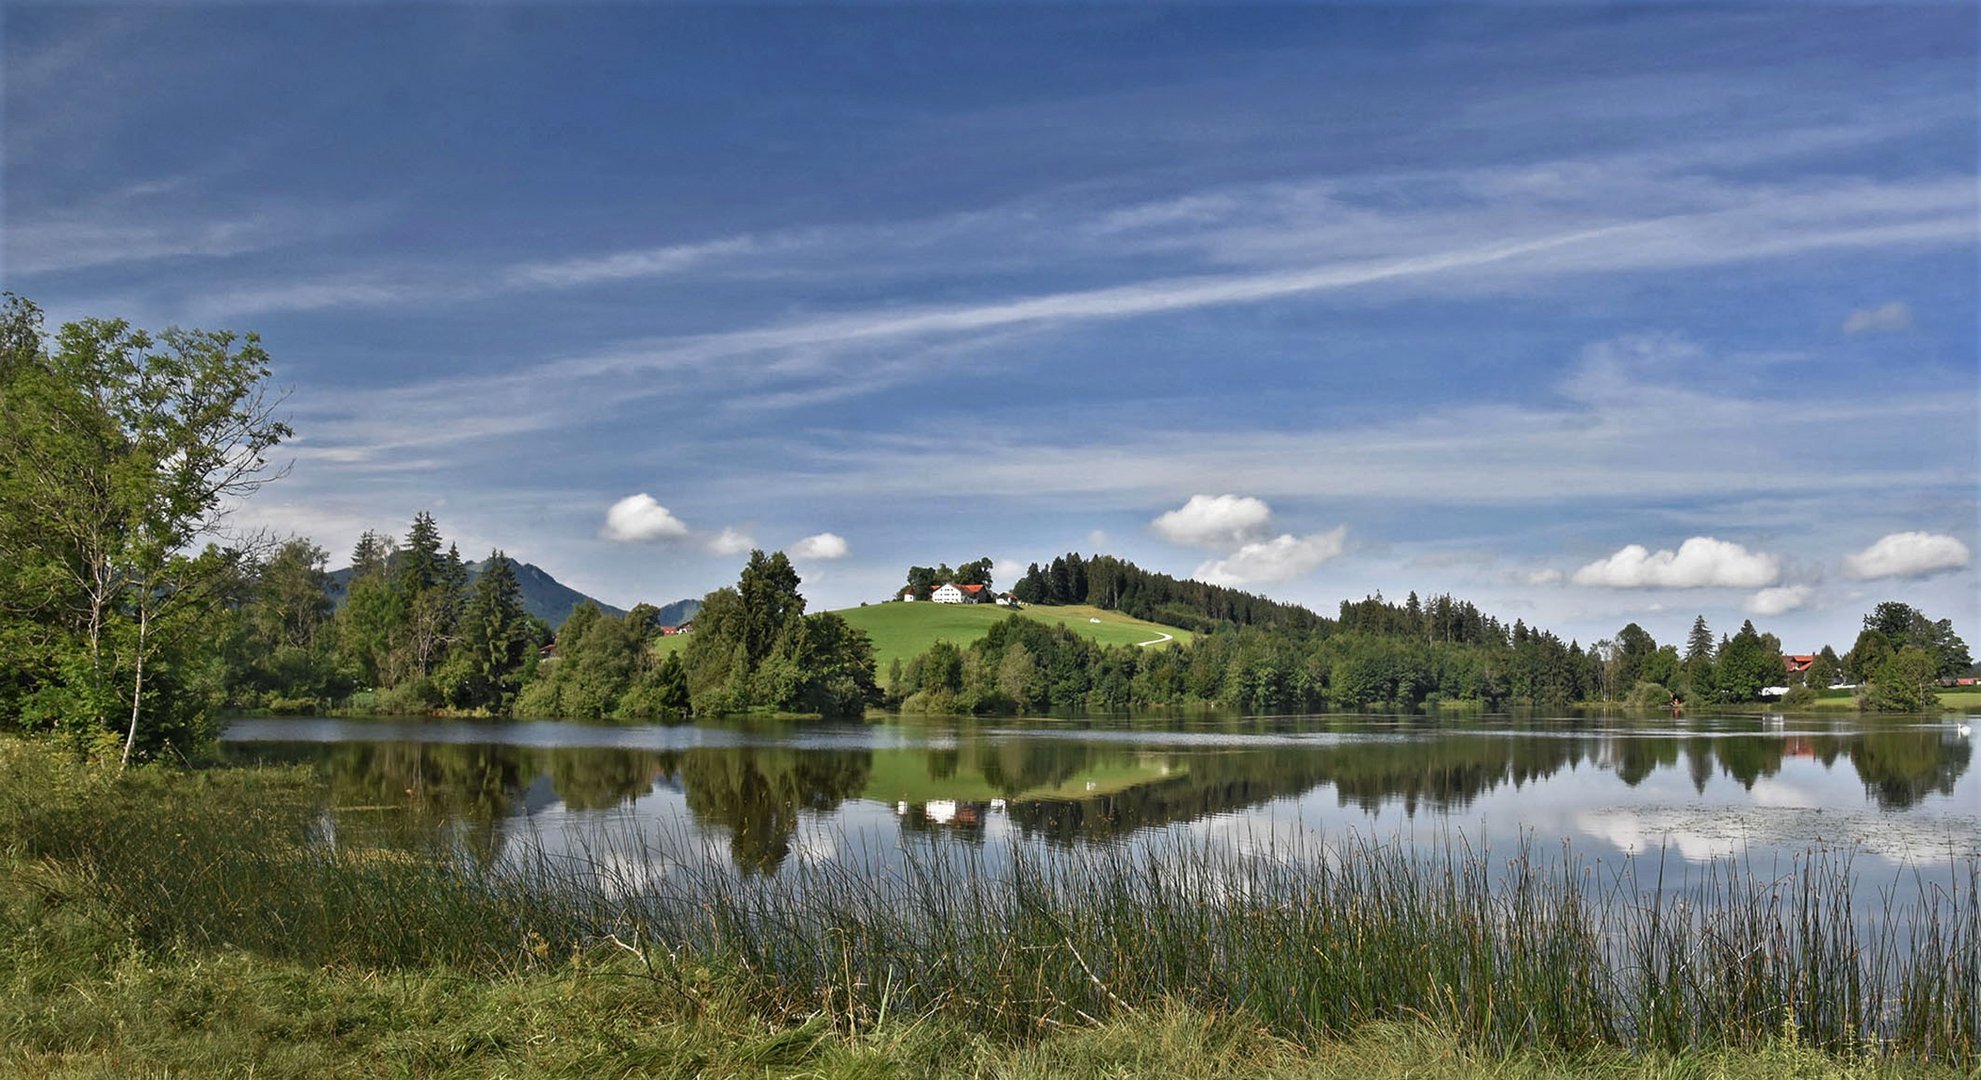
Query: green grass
{"points": [[194, 924], [1951, 701], [673, 644], [905, 631], [1960, 700]]}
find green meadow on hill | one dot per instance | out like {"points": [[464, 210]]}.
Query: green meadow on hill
{"points": [[903, 631]]}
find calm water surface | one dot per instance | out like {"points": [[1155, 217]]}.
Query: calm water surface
{"points": [[1898, 797]]}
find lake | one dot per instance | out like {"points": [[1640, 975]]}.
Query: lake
{"points": [[1895, 796]]}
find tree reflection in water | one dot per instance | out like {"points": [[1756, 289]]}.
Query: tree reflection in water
{"points": [[1058, 789], [757, 794]]}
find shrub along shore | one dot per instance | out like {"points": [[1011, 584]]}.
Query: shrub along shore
{"points": [[203, 922]]}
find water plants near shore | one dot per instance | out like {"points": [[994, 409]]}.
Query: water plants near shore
{"points": [[223, 901]]}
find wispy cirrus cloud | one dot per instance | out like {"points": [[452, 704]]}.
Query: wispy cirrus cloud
{"points": [[1641, 439], [1888, 318], [632, 265], [440, 285], [1462, 230], [833, 354], [95, 238]]}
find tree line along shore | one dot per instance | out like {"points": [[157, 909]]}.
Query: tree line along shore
{"points": [[160, 917], [131, 617]]}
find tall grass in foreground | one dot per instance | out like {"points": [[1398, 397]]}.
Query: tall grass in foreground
{"points": [[1536, 951], [1311, 941]]}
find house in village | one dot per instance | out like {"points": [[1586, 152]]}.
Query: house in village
{"points": [[951, 593]]}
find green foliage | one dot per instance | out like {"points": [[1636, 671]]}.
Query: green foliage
{"points": [[1893, 626], [497, 641], [1748, 662], [659, 691], [755, 648], [1699, 642], [605, 668], [1648, 696], [820, 665], [770, 603], [119, 451], [1635, 647], [1799, 697], [1904, 682], [1117, 585], [284, 651], [373, 611], [975, 573]]}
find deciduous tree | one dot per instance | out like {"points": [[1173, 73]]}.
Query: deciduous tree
{"points": [[119, 451]]}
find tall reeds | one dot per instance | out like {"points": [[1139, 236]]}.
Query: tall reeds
{"points": [[1311, 939]]}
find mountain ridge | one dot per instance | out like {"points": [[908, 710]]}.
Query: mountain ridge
{"points": [[543, 595]]}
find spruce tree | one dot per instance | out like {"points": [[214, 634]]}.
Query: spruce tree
{"points": [[495, 638]]}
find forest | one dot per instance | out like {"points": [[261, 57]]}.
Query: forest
{"points": [[132, 616]]}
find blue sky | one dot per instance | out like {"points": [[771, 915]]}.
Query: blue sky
{"points": [[1589, 315]]}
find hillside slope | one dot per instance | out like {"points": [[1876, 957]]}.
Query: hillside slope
{"points": [[903, 631]]}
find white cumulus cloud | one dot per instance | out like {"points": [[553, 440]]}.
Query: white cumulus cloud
{"points": [[1280, 559], [1894, 316], [1549, 576], [1215, 521], [1699, 562], [1778, 600], [731, 542], [638, 519], [1907, 554], [825, 545]]}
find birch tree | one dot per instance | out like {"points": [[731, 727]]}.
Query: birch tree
{"points": [[120, 452]]}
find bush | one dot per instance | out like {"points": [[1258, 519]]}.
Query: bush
{"points": [[1799, 697], [415, 697], [1905, 683], [1649, 697]]}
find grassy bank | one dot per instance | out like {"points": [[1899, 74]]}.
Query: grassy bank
{"points": [[171, 923], [905, 631], [1950, 701]]}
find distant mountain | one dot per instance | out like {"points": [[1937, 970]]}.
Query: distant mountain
{"points": [[543, 596], [678, 612]]}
